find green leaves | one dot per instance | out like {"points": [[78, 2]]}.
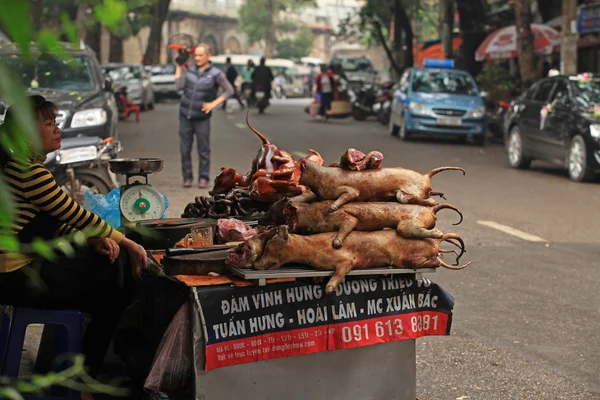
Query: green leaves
{"points": [[111, 13], [299, 47], [15, 20], [69, 28]]}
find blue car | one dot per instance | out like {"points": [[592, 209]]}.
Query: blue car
{"points": [[438, 100]]}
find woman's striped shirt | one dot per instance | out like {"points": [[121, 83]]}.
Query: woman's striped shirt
{"points": [[36, 195]]}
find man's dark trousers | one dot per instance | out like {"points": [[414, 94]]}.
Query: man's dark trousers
{"points": [[200, 128]]}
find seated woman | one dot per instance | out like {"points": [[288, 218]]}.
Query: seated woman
{"points": [[92, 281]]}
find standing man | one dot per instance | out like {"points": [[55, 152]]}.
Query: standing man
{"points": [[231, 74], [200, 83]]}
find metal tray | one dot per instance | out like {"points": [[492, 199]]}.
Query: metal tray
{"points": [[136, 165]]}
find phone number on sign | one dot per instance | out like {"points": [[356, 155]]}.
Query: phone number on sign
{"points": [[390, 328]]}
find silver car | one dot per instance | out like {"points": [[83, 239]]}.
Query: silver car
{"points": [[137, 81]]}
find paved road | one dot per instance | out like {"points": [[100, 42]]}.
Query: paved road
{"points": [[526, 317]]}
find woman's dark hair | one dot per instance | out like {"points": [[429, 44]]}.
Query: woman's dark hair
{"points": [[42, 108]]}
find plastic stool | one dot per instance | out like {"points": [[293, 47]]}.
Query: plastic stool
{"points": [[6, 313], [68, 341]]}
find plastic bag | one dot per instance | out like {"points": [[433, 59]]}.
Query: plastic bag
{"points": [[173, 368], [107, 207]]}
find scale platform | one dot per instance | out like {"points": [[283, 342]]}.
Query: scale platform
{"points": [[303, 272]]}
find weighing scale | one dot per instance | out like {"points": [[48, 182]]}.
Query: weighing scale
{"points": [[139, 200]]}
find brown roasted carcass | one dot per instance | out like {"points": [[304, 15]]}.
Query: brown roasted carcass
{"points": [[246, 253], [361, 250], [356, 160], [409, 220], [228, 179], [383, 184]]}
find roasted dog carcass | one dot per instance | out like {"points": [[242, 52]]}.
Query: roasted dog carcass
{"points": [[361, 250], [383, 184], [409, 220]]}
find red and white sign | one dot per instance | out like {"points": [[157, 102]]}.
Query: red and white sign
{"points": [[326, 337], [502, 44]]}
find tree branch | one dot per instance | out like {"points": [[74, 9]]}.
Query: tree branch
{"points": [[377, 26]]}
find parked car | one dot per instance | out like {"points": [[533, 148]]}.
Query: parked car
{"points": [[84, 96], [358, 71], [557, 120], [440, 100], [136, 80], [163, 81]]}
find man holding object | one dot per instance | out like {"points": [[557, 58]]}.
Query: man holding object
{"points": [[200, 83]]}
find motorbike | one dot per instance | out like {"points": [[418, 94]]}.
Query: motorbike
{"points": [[262, 100], [496, 110], [81, 164], [364, 104], [384, 103]]}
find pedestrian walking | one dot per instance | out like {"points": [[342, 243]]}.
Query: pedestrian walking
{"points": [[326, 88], [232, 75], [199, 83]]}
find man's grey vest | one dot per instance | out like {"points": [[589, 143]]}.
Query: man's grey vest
{"points": [[200, 87]]}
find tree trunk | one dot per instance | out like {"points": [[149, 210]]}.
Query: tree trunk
{"points": [[270, 36], [407, 45], [36, 14], [398, 35], [160, 12], [568, 45], [396, 68], [446, 25], [529, 73], [93, 39], [116, 49], [471, 14]]}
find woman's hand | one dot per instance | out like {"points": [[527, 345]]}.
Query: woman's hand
{"points": [[209, 106], [137, 256], [105, 246]]}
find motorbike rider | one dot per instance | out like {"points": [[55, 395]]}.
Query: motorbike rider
{"points": [[262, 78], [247, 75], [231, 75]]}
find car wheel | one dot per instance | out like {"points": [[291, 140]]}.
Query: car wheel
{"points": [[577, 161], [404, 133], [392, 127], [516, 156]]}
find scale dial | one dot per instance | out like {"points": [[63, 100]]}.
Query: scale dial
{"points": [[142, 202]]}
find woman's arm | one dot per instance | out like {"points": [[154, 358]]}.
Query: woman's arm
{"points": [[40, 189], [179, 77], [227, 92]]}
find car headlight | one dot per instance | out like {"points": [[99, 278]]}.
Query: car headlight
{"points": [[595, 131], [477, 112], [92, 117], [418, 108]]}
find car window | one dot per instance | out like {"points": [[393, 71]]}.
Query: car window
{"points": [[50, 72], [443, 82], [123, 73], [543, 92], [587, 95], [357, 65], [561, 92], [531, 91]]}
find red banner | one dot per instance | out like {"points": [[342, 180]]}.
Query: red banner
{"points": [[316, 339]]}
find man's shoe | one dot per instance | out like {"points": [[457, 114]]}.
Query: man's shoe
{"points": [[203, 183], [187, 183]]}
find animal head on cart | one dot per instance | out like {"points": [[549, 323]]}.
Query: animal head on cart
{"points": [[202, 54], [273, 249]]}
